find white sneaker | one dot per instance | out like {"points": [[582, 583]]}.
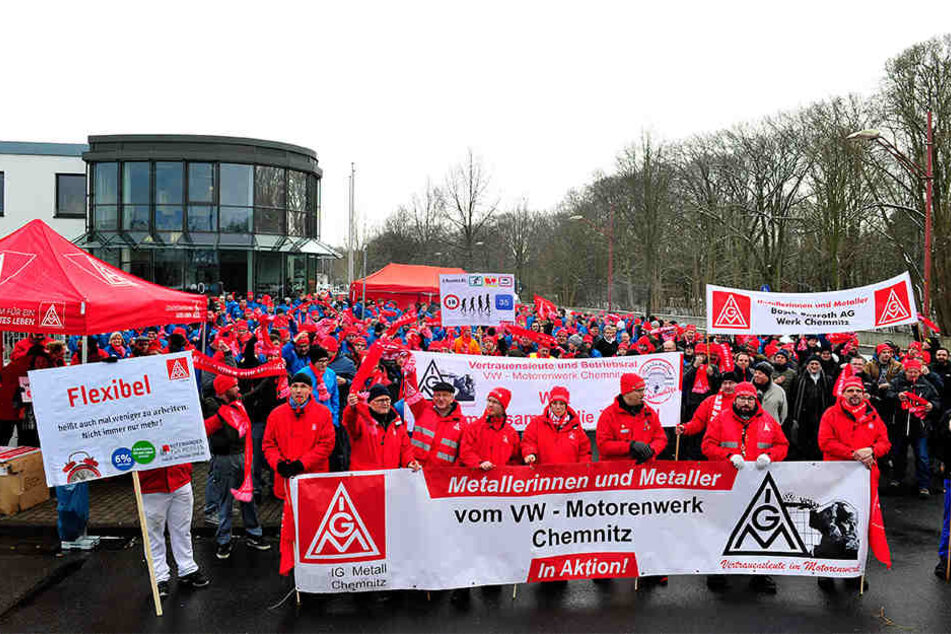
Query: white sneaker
{"points": [[88, 542]]}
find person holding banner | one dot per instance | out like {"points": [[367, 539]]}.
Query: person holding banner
{"points": [[709, 409], [491, 441], [439, 423], [299, 438], [167, 501], [556, 436], [378, 437], [629, 428], [741, 433], [852, 430], [229, 430]]}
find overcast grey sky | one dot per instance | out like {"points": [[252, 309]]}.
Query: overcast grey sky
{"points": [[547, 93]]}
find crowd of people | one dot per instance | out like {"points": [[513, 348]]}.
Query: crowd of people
{"points": [[350, 377]]}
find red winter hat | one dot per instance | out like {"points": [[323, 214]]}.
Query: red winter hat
{"points": [[746, 388], [882, 346], [631, 382], [329, 344], [700, 348], [502, 395], [559, 393], [912, 364], [224, 383], [852, 381]]}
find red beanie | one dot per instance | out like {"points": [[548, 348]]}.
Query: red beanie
{"points": [[631, 382], [912, 364], [224, 383], [882, 346], [559, 393], [852, 381], [746, 388], [329, 344], [502, 395]]}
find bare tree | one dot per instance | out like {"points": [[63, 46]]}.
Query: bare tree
{"points": [[470, 206]]}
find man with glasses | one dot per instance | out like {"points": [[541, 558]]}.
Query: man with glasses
{"points": [[378, 437], [742, 433], [324, 381]]}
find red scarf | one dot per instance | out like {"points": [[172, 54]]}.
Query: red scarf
{"points": [[700, 383], [322, 393]]}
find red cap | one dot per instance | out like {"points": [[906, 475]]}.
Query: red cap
{"points": [[559, 393], [745, 388], [303, 334], [502, 395], [852, 381], [882, 346], [329, 344], [631, 382], [700, 348], [912, 364], [224, 383]]}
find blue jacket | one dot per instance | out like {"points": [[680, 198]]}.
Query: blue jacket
{"points": [[330, 382]]}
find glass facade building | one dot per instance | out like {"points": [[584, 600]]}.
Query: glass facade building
{"points": [[206, 213]]}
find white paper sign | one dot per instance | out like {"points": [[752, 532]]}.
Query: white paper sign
{"points": [[733, 311], [592, 383], [451, 527], [477, 299], [100, 420]]}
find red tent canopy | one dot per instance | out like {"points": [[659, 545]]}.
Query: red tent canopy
{"points": [[402, 283], [48, 284]]}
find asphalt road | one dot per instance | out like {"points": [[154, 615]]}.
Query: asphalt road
{"points": [[109, 592]]}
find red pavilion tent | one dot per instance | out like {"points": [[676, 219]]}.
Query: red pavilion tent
{"points": [[402, 283], [48, 284]]}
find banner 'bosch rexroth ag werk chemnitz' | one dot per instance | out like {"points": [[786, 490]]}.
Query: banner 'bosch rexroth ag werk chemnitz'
{"points": [[733, 311], [104, 419], [451, 527]]}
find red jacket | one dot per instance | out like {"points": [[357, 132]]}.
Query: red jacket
{"points": [[726, 435], [165, 479], [436, 438], [494, 440], [306, 435], [617, 428], [372, 447], [551, 445], [705, 412], [840, 433]]}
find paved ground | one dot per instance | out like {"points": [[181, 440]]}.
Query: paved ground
{"points": [[112, 510], [108, 591]]}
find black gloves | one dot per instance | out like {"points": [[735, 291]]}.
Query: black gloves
{"points": [[289, 469], [641, 451]]}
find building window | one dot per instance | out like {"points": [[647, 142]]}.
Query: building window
{"points": [[169, 265], [136, 188], [169, 196], [105, 196], [270, 200], [70, 195], [237, 197], [201, 271], [1, 193]]}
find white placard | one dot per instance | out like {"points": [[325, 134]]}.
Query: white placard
{"points": [[477, 299], [733, 311], [592, 383], [100, 420], [451, 527]]}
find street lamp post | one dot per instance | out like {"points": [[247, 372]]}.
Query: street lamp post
{"points": [[609, 234], [927, 175]]}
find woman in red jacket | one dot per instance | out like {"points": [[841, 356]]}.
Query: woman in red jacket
{"points": [[556, 436], [378, 437]]}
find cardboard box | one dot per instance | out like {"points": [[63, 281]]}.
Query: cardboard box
{"points": [[22, 481]]}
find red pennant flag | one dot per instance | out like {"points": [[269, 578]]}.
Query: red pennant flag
{"points": [[537, 337], [930, 324], [876, 527], [544, 308]]}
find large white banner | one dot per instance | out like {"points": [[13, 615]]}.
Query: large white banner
{"points": [[450, 527], [592, 383], [477, 299], [104, 419], [733, 311]]}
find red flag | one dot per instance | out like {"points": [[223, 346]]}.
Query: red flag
{"points": [[537, 337], [544, 308], [367, 366], [929, 324], [846, 373], [876, 527]]}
